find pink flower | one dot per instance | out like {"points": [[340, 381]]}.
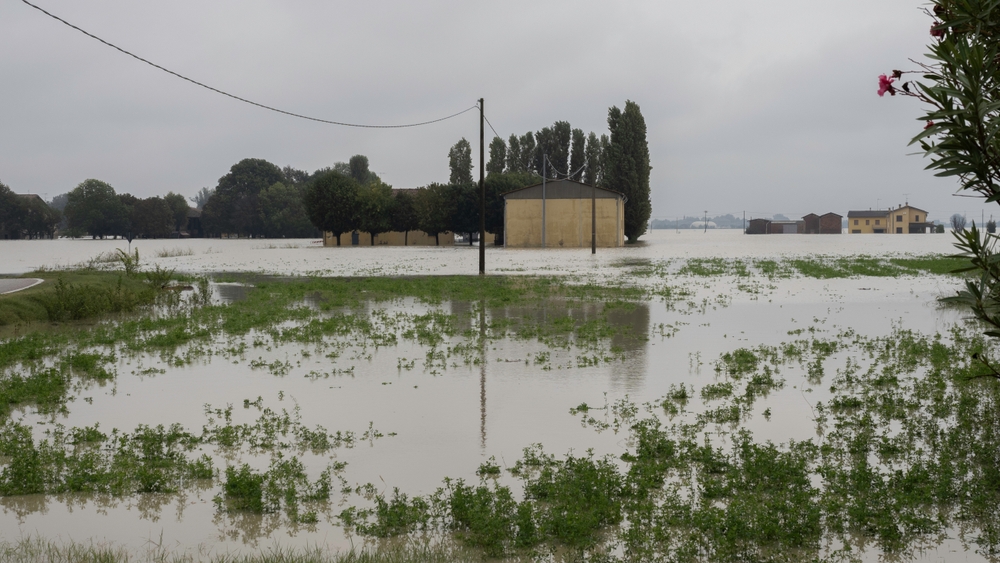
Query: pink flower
{"points": [[885, 85], [935, 32], [929, 125]]}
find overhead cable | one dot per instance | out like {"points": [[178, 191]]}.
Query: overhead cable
{"points": [[497, 135], [227, 94]]}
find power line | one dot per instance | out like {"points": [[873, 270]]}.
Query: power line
{"points": [[227, 94], [491, 127]]}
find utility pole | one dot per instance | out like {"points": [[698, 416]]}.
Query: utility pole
{"points": [[545, 160], [593, 219], [482, 194], [706, 220]]}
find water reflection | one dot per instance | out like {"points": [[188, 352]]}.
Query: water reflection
{"points": [[230, 292], [482, 374], [629, 375], [558, 318]]}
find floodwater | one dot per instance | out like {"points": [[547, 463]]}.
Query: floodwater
{"points": [[445, 421]]}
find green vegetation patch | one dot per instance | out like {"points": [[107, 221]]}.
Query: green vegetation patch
{"points": [[823, 267], [75, 295]]}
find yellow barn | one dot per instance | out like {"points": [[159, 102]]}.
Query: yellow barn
{"points": [[557, 214]]}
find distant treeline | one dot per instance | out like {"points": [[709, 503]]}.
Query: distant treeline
{"points": [[727, 221], [25, 216]]}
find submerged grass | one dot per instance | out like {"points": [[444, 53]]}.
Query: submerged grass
{"points": [[820, 267], [906, 449], [34, 549], [905, 452]]}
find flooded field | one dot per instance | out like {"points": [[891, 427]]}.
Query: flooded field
{"points": [[709, 396]]}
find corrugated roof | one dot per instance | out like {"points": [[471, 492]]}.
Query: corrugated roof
{"points": [[564, 189]]}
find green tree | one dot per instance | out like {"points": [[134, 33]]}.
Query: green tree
{"points": [[234, 208], [332, 203], [627, 166], [514, 163], [150, 218], [294, 177], [460, 163], [93, 207], [201, 198], [283, 212], [544, 145], [215, 217], [435, 205], [592, 172], [248, 177], [39, 220], [527, 152], [498, 157], [358, 167], [10, 213], [375, 203], [179, 209], [465, 213], [553, 142], [578, 156], [404, 214], [496, 186], [961, 93]]}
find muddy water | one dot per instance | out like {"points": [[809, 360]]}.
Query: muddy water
{"points": [[301, 257], [448, 420]]}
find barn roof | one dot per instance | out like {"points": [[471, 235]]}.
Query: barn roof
{"points": [[562, 189], [869, 213]]}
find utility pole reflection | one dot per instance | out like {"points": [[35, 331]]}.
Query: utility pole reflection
{"points": [[482, 371]]}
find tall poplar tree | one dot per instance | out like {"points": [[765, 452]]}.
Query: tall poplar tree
{"points": [[460, 162], [594, 156], [544, 146], [498, 156], [514, 154], [527, 152], [578, 155], [627, 168], [559, 156]]}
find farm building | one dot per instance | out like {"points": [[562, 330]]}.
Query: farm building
{"points": [[867, 222], [786, 227], [557, 213], [826, 224], [829, 223], [393, 238], [758, 226], [902, 220]]}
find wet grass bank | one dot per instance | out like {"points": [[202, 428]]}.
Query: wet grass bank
{"points": [[75, 296]]}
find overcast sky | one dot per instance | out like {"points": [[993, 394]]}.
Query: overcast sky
{"points": [[765, 107]]}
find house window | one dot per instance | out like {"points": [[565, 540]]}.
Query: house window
{"points": [[855, 221], [899, 218], [868, 222], [899, 230], [917, 218], [878, 221]]}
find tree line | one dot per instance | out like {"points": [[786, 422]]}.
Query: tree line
{"points": [[24, 216], [95, 209], [340, 201], [256, 198], [618, 161]]}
